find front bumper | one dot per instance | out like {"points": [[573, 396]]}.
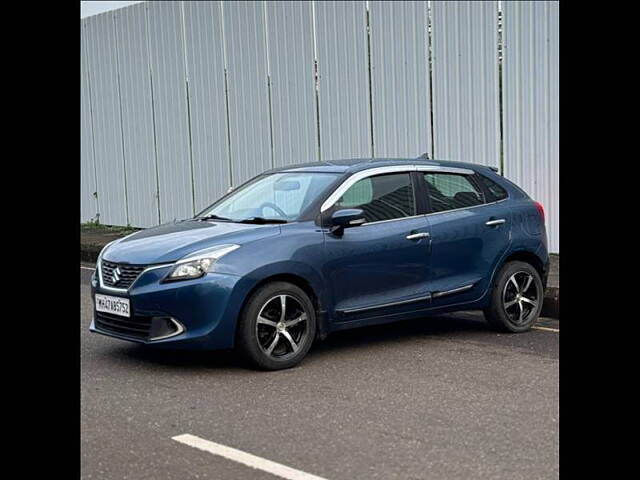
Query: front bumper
{"points": [[206, 308]]}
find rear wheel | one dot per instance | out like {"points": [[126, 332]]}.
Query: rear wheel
{"points": [[516, 299], [277, 326]]}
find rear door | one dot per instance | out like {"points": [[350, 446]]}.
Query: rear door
{"points": [[469, 235]]}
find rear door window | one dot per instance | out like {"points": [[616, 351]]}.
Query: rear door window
{"points": [[382, 197], [450, 191]]}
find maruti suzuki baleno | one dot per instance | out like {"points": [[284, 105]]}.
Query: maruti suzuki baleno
{"points": [[302, 251]]}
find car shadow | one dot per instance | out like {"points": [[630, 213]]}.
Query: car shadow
{"points": [[189, 359], [403, 331]]}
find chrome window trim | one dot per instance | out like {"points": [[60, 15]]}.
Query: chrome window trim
{"points": [[392, 220], [465, 208], [428, 214], [432, 213], [370, 172]]}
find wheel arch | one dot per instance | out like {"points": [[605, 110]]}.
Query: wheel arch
{"points": [[528, 257], [522, 255], [304, 283]]}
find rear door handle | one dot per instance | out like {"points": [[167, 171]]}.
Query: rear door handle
{"points": [[417, 236], [491, 223]]}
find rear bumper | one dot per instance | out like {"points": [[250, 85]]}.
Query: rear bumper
{"points": [[205, 308]]}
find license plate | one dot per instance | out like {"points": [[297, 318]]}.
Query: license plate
{"points": [[115, 305]]}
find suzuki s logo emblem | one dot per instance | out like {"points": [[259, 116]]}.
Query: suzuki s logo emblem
{"points": [[115, 276]]}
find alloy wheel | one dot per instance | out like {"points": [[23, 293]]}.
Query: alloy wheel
{"points": [[281, 326], [520, 297]]}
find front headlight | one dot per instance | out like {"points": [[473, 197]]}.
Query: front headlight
{"points": [[198, 264]]}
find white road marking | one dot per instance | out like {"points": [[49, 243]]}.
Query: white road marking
{"points": [[86, 268], [247, 459], [547, 329]]}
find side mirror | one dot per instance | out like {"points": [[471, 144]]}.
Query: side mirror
{"points": [[346, 218]]}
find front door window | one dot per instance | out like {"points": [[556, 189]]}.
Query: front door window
{"points": [[382, 197]]}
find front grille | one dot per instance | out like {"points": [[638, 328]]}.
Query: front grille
{"points": [[137, 327], [128, 274]]}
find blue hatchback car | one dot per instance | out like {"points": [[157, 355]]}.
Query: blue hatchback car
{"points": [[301, 251]]}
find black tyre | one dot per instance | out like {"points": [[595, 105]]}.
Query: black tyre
{"points": [[277, 326], [516, 299]]}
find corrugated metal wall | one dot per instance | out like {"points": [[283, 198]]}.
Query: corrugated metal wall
{"points": [[175, 170], [106, 119], [465, 82], [249, 124], [137, 115], [400, 79], [531, 96], [180, 100], [293, 96], [207, 101], [345, 111], [88, 200]]}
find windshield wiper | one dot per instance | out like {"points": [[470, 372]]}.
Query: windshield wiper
{"points": [[214, 217], [261, 220]]}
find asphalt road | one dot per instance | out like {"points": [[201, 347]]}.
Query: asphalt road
{"points": [[439, 398]]}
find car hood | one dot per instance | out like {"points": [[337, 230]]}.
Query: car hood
{"points": [[172, 241]]}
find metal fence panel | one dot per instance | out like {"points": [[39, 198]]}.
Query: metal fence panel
{"points": [[465, 82], [291, 68], [154, 118], [88, 201], [531, 99], [205, 70], [137, 115], [345, 113], [107, 128], [400, 79], [248, 94], [166, 48]]}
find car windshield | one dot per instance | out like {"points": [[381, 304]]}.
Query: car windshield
{"points": [[274, 198]]}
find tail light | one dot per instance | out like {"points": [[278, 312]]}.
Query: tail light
{"points": [[540, 209]]}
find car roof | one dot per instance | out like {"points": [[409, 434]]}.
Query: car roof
{"points": [[353, 165]]}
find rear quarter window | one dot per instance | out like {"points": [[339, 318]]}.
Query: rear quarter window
{"points": [[495, 191]]}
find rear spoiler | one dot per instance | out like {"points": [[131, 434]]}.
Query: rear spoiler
{"points": [[495, 169]]}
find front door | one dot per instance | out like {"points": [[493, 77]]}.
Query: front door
{"points": [[382, 266]]}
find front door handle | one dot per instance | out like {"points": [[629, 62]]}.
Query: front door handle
{"points": [[417, 236], [491, 223]]}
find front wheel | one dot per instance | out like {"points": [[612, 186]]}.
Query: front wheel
{"points": [[516, 299], [277, 326]]}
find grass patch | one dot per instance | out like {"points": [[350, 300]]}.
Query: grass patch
{"points": [[96, 227]]}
